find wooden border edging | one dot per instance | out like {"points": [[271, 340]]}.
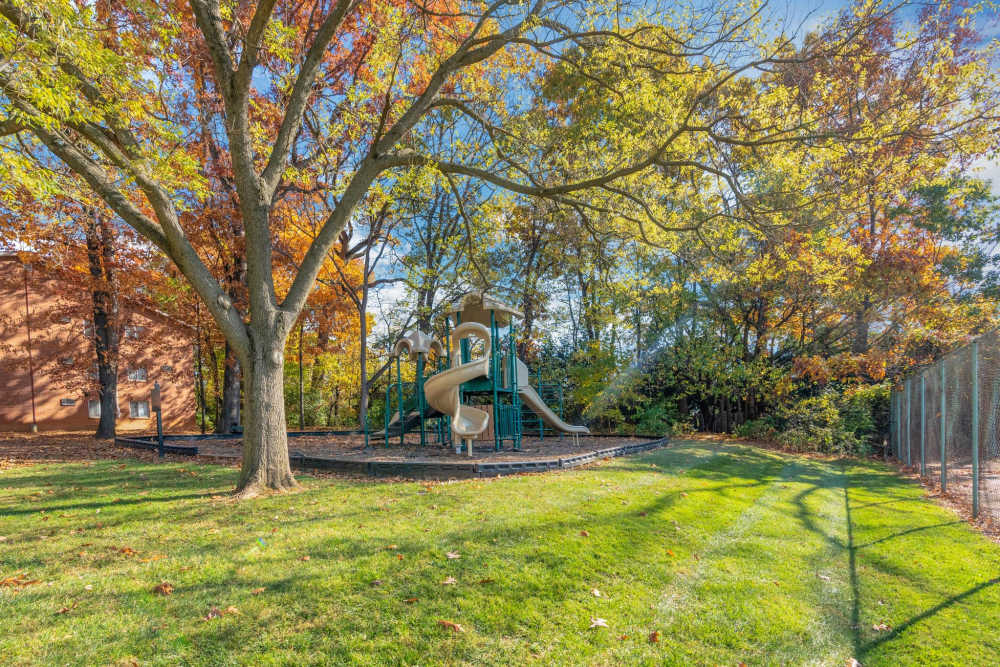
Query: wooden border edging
{"points": [[425, 469], [449, 470], [151, 444]]}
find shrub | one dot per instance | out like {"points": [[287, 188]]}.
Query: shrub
{"points": [[865, 412], [657, 418], [815, 424], [757, 429]]}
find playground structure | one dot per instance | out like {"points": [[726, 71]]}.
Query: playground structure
{"points": [[438, 406]]}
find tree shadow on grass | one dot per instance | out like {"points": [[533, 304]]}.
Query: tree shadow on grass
{"points": [[120, 502], [927, 613], [882, 484], [620, 537]]}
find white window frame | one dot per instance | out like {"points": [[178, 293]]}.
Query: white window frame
{"points": [[133, 374], [93, 403], [135, 412]]}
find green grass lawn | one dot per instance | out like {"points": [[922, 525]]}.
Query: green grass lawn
{"points": [[732, 554]]}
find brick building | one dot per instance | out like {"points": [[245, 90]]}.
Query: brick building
{"points": [[53, 381]]}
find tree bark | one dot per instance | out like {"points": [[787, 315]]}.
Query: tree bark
{"points": [[364, 387], [265, 441], [100, 257], [229, 413], [859, 343]]}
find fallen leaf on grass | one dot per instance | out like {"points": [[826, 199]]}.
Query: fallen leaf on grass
{"points": [[163, 588], [823, 577], [18, 581], [304, 558], [623, 637], [152, 558], [881, 627], [88, 587], [654, 636], [450, 581], [410, 600], [670, 552], [215, 612], [851, 662], [643, 513], [399, 556], [596, 593], [258, 591], [584, 533], [451, 625], [598, 622], [376, 582], [453, 555], [66, 610], [486, 581], [392, 547]]}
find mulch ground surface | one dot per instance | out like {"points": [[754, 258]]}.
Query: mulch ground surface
{"points": [[55, 446], [353, 447], [22, 448]]}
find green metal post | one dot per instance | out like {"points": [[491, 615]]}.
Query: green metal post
{"points": [[388, 407], [944, 449], [908, 419], [541, 424], [515, 397], [923, 429], [494, 344], [420, 397], [892, 423], [399, 397], [975, 429]]}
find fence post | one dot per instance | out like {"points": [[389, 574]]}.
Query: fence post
{"points": [[975, 429], [944, 448], [923, 428], [899, 407], [909, 418], [892, 423]]}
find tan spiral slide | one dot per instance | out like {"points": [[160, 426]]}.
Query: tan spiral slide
{"points": [[442, 390]]}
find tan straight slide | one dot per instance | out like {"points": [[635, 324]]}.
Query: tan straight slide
{"points": [[531, 398], [442, 390]]}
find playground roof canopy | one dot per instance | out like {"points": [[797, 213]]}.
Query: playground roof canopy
{"points": [[476, 307]]}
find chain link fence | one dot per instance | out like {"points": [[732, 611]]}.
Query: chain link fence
{"points": [[944, 422]]}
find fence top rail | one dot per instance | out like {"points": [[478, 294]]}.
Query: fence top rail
{"points": [[965, 347]]}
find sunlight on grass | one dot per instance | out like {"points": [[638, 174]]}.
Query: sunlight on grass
{"points": [[731, 553]]}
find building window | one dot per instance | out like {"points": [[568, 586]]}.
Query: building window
{"points": [[138, 409], [137, 375], [167, 368], [88, 329], [67, 402], [94, 408], [66, 361]]}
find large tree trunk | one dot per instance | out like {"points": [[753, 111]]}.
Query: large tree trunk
{"points": [[229, 414], [859, 344], [100, 257], [265, 441]]}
